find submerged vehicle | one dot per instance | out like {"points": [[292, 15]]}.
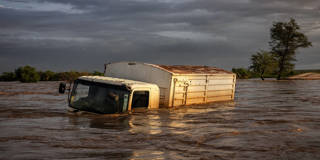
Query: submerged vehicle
{"points": [[129, 85], [107, 95]]}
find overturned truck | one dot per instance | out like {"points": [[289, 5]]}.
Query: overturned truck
{"points": [[129, 85]]}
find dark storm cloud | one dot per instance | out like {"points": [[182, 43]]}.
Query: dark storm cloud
{"points": [[82, 34]]}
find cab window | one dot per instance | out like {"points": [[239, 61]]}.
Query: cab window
{"points": [[140, 99]]}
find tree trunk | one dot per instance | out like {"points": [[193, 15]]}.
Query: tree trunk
{"points": [[279, 75], [283, 57], [281, 67], [280, 72], [261, 75]]}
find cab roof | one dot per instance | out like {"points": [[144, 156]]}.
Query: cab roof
{"points": [[117, 81]]}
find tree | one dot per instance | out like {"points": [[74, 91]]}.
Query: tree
{"points": [[8, 76], [97, 73], [69, 76], [241, 73], [46, 76], [262, 63], [27, 74], [285, 40]]}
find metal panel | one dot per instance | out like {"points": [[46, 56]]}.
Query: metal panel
{"points": [[202, 89], [219, 93], [186, 89], [196, 94], [220, 81], [197, 82], [144, 73], [196, 77], [234, 86], [195, 101], [196, 88], [179, 89], [178, 102], [220, 87], [179, 95], [221, 98], [225, 76]]}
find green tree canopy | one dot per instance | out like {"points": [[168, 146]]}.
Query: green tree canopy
{"points": [[285, 40], [8, 76], [47, 75], [262, 63], [97, 73], [241, 73], [27, 74]]}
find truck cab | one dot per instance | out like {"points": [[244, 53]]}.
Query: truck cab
{"points": [[107, 95]]}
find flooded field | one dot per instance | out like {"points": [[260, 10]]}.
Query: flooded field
{"points": [[267, 120]]}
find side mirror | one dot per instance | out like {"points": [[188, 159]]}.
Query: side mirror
{"points": [[62, 87]]}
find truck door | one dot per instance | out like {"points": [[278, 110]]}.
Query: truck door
{"points": [[140, 99]]}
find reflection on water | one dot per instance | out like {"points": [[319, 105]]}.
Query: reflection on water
{"points": [[267, 120]]}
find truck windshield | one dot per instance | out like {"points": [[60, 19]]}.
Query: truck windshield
{"points": [[99, 98]]}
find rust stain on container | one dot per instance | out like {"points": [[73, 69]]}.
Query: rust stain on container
{"points": [[187, 69]]}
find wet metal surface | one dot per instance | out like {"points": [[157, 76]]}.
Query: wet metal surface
{"points": [[185, 69], [267, 120]]}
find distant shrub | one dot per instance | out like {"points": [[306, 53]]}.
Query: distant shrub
{"points": [[8, 76], [47, 75], [96, 73], [241, 73], [69, 76], [27, 74]]}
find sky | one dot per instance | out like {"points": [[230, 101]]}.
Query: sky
{"points": [[83, 35]]}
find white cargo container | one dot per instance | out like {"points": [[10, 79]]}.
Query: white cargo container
{"points": [[179, 84]]}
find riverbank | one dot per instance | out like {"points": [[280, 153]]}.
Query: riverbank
{"points": [[305, 76]]}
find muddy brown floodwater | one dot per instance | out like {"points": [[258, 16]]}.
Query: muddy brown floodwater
{"points": [[267, 120]]}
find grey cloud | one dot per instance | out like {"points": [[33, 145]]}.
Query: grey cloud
{"points": [[82, 34], [40, 6]]}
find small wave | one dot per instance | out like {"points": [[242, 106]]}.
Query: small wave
{"points": [[27, 93]]}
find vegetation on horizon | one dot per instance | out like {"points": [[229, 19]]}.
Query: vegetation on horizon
{"points": [[263, 63], [28, 74], [277, 63]]}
